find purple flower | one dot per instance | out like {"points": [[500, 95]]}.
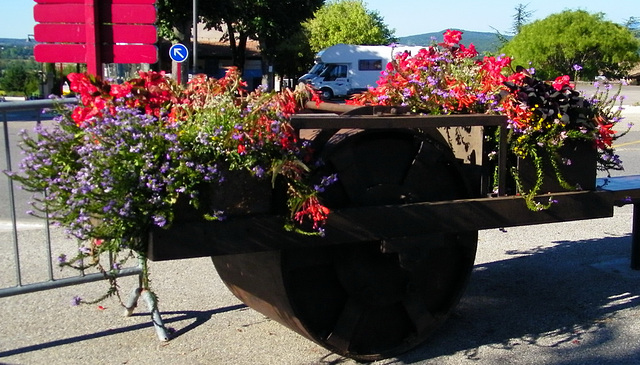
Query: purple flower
{"points": [[159, 220], [326, 181], [577, 67], [258, 171], [76, 300]]}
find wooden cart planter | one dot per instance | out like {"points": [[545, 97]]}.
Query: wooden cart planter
{"points": [[401, 240]]}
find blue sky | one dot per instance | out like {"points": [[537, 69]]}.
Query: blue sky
{"points": [[407, 17]]}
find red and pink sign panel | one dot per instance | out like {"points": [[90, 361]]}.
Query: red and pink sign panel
{"points": [[95, 32]]}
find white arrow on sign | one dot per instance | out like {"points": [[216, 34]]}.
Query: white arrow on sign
{"points": [[178, 52]]}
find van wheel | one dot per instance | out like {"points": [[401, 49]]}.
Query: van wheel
{"points": [[326, 94]]}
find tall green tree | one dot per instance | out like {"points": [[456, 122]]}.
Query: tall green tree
{"points": [[521, 17], [555, 44], [175, 19], [347, 21], [17, 78], [273, 23], [276, 24]]}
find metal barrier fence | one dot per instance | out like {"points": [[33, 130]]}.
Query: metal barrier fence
{"points": [[11, 246]]}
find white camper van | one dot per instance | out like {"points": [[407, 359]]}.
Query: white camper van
{"points": [[346, 69]]}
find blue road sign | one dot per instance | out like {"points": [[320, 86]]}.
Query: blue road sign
{"points": [[178, 52]]}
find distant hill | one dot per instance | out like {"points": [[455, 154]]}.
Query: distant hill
{"points": [[483, 41], [20, 42], [15, 49]]}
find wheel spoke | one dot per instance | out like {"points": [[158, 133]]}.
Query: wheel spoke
{"points": [[419, 314], [346, 325]]}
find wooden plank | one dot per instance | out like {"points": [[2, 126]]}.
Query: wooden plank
{"points": [[72, 53], [263, 233], [92, 43], [106, 1], [329, 121], [129, 33], [59, 13], [152, 2], [76, 53], [109, 13], [130, 53], [625, 189], [59, 1], [75, 33], [127, 13], [66, 33]]}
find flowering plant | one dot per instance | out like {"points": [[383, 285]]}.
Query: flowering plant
{"points": [[119, 162], [545, 116], [449, 78], [444, 78]]}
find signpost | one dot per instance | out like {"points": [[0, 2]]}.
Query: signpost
{"points": [[95, 32], [179, 53]]}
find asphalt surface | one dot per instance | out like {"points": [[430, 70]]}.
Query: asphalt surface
{"points": [[550, 294]]}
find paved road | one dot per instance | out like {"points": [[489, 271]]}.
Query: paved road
{"points": [[551, 294]]}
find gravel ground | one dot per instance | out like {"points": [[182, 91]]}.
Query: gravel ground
{"points": [[551, 294]]}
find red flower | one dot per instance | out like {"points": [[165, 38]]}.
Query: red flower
{"points": [[312, 209], [562, 81], [465, 52], [605, 133], [452, 37], [81, 84], [120, 91]]}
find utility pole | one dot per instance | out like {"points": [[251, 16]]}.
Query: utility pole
{"points": [[195, 37]]}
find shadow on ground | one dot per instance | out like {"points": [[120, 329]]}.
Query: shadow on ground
{"points": [[197, 318], [547, 298]]}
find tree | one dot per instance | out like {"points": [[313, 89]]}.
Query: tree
{"points": [[276, 25], [293, 56], [347, 21], [175, 18], [17, 78], [555, 44], [521, 17], [174, 24], [633, 24]]}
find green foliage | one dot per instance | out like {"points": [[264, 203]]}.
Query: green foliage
{"points": [[274, 23], [16, 50], [557, 43], [174, 19], [347, 21], [18, 70], [17, 77], [292, 56]]}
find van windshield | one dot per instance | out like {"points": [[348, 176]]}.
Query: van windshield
{"points": [[317, 68], [333, 71]]}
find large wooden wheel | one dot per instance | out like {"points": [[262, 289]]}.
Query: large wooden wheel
{"points": [[367, 300]]}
